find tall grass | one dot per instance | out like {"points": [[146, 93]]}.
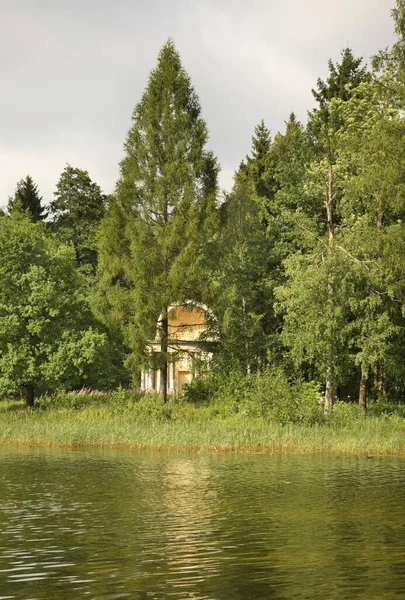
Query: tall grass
{"points": [[132, 420]]}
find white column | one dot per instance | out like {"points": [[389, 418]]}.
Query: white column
{"points": [[174, 376], [170, 378]]}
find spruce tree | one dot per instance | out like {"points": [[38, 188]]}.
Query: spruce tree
{"points": [[261, 142], [27, 199], [242, 284], [165, 203]]}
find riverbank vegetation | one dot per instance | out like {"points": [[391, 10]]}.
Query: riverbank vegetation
{"points": [[134, 421], [302, 266]]}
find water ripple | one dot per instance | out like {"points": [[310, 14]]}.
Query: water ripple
{"points": [[139, 526]]}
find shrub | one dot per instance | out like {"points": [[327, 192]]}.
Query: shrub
{"points": [[270, 396], [200, 390], [151, 406], [230, 394], [309, 408], [344, 414]]}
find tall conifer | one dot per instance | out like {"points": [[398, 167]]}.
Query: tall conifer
{"points": [[27, 199], [165, 202]]}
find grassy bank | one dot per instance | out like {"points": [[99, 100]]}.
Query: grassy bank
{"points": [[130, 422]]}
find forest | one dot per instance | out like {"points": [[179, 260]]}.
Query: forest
{"points": [[302, 263]]}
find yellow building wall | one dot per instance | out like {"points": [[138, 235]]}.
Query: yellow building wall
{"points": [[186, 323]]}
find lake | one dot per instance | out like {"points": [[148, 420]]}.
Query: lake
{"points": [[108, 524]]}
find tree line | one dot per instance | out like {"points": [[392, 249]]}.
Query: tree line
{"points": [[302, 263]]}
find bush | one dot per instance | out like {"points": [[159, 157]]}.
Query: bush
{"points": [[200, 390], [309, 408], [230, 393], [151, 406], [269, 396], [344, 414], [272, 397], [383, 406]]}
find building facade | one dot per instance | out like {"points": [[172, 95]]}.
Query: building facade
{"points": [[189, 348]]}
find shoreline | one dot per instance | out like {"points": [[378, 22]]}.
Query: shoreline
{"points": [[195, 430], [168, 448]]}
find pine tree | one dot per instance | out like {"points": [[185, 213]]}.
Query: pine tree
{"points": [[27, 198], [165, 203]]}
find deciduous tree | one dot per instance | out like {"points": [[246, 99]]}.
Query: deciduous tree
{"points": [[48, 337], [76, 212]]}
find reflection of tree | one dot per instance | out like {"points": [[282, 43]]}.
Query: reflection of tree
{"points": [[362, 497], [225, 527]]}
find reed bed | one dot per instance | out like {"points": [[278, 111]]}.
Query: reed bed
{"points": [[147, 424]]}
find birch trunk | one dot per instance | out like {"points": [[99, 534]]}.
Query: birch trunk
{"points": [[330, 379], [329, 391]]}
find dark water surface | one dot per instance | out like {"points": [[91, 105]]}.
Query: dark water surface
{"points": [[142, 526]]}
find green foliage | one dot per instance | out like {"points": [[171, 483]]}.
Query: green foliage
{"points": [[302, 266], [200, 390], [343, 78], [308, 403], [231, 392], [269, 396], [48, 337], [241, 291], [27, 200], [272, 397], [76, 212], [165, 204]]}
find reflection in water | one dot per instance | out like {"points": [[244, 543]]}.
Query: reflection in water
{"points": [[115, 525]]}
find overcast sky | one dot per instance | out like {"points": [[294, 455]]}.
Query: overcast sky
{"points": [[72, 71]]}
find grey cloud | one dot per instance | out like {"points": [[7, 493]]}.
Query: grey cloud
{"points": [[72, 72]]}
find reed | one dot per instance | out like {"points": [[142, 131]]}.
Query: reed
{"points": [[122, 421]]}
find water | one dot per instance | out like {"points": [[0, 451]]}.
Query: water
{"points": [[104, 525]]}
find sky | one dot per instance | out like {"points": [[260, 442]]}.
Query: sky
{"points": [[72, 71]]}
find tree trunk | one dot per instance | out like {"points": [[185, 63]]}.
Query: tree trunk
{"points": [[363, 391], [330, 382], [384, 383], [376, 379], [245, 332], [329, 204], [329, 391], [29, 395], [164, 335]]}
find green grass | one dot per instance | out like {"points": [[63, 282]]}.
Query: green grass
{"points": [[122, 421]]}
